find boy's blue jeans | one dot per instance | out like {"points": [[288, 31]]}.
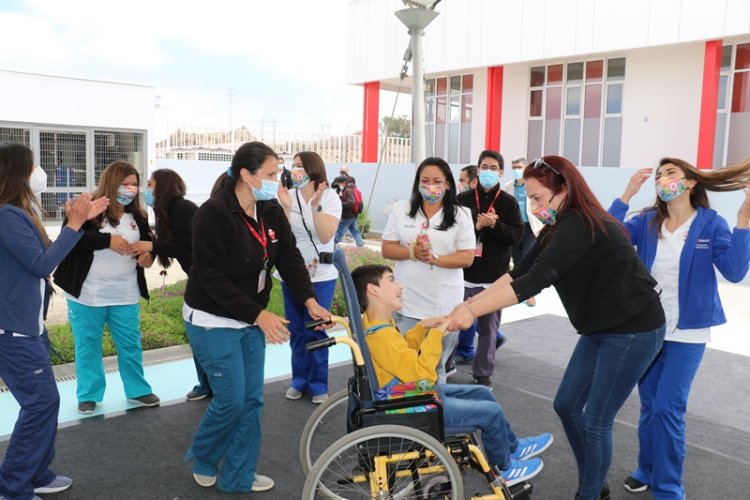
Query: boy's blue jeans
{"points": [[470, 407], [233, 359], [602, 372]]}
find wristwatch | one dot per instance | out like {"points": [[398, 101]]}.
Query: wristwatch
{"points": [[436, 257], [319, 209]]}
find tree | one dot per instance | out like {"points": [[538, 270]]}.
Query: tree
{"points": [[397, 127]]}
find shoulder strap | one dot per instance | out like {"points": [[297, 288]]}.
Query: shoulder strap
{"points": [[304, 224]]}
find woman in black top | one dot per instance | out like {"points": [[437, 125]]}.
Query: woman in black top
{"points": [[174, 233], [610, 299], [239, 234]]}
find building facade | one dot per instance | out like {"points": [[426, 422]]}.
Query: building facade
{"points": [[604, 83], [76, 127]]}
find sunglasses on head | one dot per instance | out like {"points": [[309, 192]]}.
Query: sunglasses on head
{"points": [[540, 163]]}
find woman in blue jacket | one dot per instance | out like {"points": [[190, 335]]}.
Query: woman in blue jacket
{"points": [[680, 239], [28, 257]]}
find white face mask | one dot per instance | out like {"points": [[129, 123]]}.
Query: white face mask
{"points": [[38, 180]]}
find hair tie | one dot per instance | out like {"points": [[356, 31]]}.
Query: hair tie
{"points": [[229, 171]]}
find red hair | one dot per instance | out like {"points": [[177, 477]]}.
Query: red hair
{"points": [[555, 171]]}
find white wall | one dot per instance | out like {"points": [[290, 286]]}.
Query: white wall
{"points": [[475, 33], [661, 104], [515, 110], [56, 100]]}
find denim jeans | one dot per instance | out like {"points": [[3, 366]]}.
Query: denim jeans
{"points": [[602, 372], [470, 407], [450, 339], [233, 359], [664, 391], [351, 226], [309, 369]]}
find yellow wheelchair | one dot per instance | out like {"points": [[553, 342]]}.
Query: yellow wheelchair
{"points": [[356, 446]]}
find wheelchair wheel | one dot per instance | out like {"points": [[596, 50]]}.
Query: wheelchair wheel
{"points": [[326, 424], [385, 462]]}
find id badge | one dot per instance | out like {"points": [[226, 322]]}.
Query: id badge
{"points": [[478, 250], [262, 281], [312, 267]]}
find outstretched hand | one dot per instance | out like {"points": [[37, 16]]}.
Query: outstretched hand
{"points": [[635, 183]]}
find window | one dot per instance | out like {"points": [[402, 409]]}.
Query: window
{"points": [[19, 135], [448, 116], [736, 103], [575, 110], [114, 145]]}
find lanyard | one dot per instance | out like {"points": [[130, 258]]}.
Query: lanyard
{"points": [[261, 238], [476, 196]]}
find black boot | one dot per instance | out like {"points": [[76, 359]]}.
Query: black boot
{"points": [[604, 495]]}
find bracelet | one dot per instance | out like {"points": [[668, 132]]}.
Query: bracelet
{"points": [[411, 252], [467, 306]]}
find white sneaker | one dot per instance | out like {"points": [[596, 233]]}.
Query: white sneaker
{"points": [[262, 483], [205, 481], [292, 394], [320, 398]]}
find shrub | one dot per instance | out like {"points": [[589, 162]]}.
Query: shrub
{"points": [[355, 257]]}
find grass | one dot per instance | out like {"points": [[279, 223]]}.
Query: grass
{"points": [[161, 317]]}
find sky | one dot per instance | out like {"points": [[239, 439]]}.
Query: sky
{"points": [[285, 59]]}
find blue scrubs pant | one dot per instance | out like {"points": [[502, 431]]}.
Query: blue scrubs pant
{"points": [[124, 324], [309, 369], [25, 368], [233, 359], [664, 391]]}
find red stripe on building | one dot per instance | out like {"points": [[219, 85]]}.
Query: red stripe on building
{"points": [[370, 123], [709, 103], [494, 108]]}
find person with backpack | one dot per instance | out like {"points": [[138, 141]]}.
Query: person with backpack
{"points": [[351, 204]]}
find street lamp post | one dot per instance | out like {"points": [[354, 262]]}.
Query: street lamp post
{"points": [[416, 20]]}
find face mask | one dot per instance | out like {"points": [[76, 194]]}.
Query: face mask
{"points": [[38, 181], [126, 195], [299, 178], [267, 191], [518, 173], [546, 215], [669, 188], [462, 188], [148, 197], [432, 193], [488, 178]]}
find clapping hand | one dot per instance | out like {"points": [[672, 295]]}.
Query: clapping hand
{"points": [[81, 209], [634, 184], [318, 195], [285, 199]]}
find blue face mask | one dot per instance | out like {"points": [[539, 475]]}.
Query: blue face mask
{"points": [[267, 191], [148, 197], [488, 178], [518, 173]]}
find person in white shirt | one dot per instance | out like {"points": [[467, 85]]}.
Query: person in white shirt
{"points": [[314, 211], [431, 238]]}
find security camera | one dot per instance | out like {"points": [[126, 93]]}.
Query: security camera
{"points": [[421, 4]]}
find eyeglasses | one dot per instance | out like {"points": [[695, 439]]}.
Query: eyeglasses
{"points": [[540, 163]]}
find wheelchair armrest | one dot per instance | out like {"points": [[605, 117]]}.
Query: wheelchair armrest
{"points": [[405, 402]]}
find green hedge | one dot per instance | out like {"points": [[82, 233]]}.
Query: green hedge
{"points": [[161, 317]]}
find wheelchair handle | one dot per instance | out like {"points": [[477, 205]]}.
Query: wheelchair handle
{"points": [[316, 322], [320, 344]]}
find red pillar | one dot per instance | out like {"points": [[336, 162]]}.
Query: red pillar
{"points": [[494, 108], [709, 103], [370, 123]]}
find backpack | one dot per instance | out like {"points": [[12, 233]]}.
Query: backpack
{"points": [[357, 206]]}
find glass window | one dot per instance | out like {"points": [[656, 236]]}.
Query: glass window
{"points": [[723, 81], [535, 106], [455, 85], [554, 103], [455, 111], [468, 84], [616, 69], [573, 101], [741, 93], [593, 101], [554, 74], [441, 111], [614, 99], [429, 87], [537, 76], [466, 109], [110, 146], [742, 60], [726, 57], [442, 86], [19, 135], [575, 72], [594, 71], [612, 142]]}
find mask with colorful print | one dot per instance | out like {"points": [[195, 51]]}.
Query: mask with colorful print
{"points": [[432, 193], [299, 177], [546, 214], [670, 188], [126, 195]]}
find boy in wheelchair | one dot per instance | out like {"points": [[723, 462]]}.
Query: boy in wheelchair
{"points": [[414, 358]]}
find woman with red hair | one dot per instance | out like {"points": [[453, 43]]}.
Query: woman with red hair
{"points": [[611, 300]]}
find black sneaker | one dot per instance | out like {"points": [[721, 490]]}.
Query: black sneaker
{"points": [[86, 407], [197, 395], [633, 485], [485, 381], [147, 400]]}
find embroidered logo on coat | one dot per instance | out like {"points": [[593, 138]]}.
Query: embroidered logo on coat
{"points": [[702, 244]]}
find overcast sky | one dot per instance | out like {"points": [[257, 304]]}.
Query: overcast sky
{"points": [[284, 58]]}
